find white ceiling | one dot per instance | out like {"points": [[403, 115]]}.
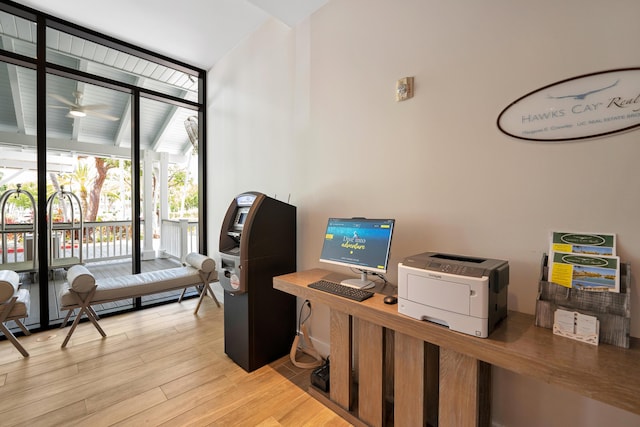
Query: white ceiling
{"points": [[196, 32]]}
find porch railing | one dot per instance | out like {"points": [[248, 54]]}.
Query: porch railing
{"points": [[107, 240], [179, 237], [102, 241]]}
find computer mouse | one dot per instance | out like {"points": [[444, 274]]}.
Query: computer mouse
{"points": [[390, 299]]}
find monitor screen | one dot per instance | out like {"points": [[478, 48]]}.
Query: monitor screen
{"points": [[358, 242]]}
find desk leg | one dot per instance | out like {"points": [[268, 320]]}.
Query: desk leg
{"points": [[464, 390], [371, 373], [341, 351]]}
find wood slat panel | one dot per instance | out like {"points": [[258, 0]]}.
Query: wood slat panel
{"points": [[461, 381], [370, 373], [341, 352], [410, 382]]}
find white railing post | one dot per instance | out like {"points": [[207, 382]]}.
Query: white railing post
{"points": [[147, 207], [184, 238]]}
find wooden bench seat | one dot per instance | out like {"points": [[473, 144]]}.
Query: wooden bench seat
{"points": [[83, 290]]}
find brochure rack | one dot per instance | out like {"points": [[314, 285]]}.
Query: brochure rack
{"points": [[612, 309]]}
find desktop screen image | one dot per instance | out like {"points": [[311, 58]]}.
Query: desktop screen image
{"points": [[358, 243]]}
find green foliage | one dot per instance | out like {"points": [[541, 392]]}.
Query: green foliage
{"points": [[115, 195], [182, 191], [22, 202]]}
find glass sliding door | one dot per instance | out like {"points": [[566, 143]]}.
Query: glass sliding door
{"points": [[169, 179], [89, 218], [18, 154], [18, 180]]}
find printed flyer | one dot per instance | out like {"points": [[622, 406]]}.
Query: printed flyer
{"points": [[583, 243], [585, 272]]}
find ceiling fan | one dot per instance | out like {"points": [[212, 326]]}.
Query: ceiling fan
{"points": [[191, 126], [76, 109]]}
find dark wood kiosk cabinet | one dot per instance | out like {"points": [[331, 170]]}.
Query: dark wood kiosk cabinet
{"points": [[441, 377], [257, 242]]}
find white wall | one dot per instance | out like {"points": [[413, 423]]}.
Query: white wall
{"points": [[250, 109], [310, 112]]}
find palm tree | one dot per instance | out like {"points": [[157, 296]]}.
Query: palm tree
{"points": [[81, 176]]}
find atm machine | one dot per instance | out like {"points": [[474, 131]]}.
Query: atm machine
{"points": [[257, 242]]}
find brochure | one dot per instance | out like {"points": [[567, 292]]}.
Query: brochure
{"points": [[583, 243], [577, 326], [585, 272]]}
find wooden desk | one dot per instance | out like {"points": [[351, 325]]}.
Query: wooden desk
{"points": [[605, 373]]}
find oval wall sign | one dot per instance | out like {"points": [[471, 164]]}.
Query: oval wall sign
{"points": [[581, 107]]}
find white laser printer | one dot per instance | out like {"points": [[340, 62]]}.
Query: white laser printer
{"points": [[466, 294]]}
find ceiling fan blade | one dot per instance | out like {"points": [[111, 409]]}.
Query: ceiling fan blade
{"points": [[63, 100], [102, 115], [93, 107], [58, 106]]}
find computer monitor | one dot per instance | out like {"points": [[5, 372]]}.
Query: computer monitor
{"points": [[360, 243]]}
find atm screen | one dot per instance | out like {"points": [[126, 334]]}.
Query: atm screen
{"points": [[241, 217]]}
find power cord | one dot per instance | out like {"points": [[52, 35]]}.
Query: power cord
{"points": [[307, 346]]}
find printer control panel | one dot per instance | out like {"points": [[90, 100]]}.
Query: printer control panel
{"points": [[455, 268]]}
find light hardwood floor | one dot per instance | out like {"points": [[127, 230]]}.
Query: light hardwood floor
{"points": [[160, 366]]}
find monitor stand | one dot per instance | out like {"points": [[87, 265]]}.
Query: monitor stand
{"points": [[362, 282]]}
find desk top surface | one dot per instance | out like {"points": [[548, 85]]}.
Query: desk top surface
{"points": [[605, 373]]}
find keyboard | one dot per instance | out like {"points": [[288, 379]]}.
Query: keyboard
{"points": [[341, 290]]}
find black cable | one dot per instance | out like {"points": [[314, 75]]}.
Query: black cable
{"points": [[380, 275], [306, 303], [385, 282]]}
